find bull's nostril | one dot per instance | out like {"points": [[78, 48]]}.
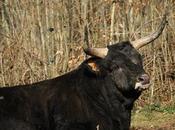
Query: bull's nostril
{"points": [[144, 79], [140, 79]]}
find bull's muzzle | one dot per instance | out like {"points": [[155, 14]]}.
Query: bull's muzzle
{"points": [[143, 82]]}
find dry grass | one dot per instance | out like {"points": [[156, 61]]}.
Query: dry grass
{"points": [[153, 121], [41, 39]]}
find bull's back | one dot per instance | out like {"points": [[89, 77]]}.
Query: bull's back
{"points": [[20, 108], [13, 100]]}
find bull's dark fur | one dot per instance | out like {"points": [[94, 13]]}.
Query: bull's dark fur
{"points": [[80, 99]]}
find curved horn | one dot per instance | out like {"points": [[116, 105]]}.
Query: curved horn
{"points": [[147, 39], [98, 52]]}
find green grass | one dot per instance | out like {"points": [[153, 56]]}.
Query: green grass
{"points": [[154, 116], [170, 109]]}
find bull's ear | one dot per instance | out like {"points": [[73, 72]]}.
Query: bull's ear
{"points": [[92, 65]]}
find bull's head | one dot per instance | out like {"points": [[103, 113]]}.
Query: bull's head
{"points": [[123, 61]]}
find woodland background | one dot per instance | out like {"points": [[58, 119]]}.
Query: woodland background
{"points": [[41, 39]]}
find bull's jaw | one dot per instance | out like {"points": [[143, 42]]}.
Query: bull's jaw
{"points": [[139, 86]]}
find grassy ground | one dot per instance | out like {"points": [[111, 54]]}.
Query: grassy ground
{"points": [[154, 119]]}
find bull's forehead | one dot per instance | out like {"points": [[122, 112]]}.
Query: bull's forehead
{"points": [[121, 45], [124, 51]]}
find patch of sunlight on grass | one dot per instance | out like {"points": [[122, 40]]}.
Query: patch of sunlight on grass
{"points": [[153, 116]]}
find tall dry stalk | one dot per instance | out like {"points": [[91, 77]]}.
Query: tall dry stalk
{"points": [[41, 35], [113, 10]]}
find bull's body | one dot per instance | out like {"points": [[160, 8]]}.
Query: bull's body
{"points": [[100, 92], [79, 100]]}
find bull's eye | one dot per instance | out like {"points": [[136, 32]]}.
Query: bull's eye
{"points": [[122, 47]]}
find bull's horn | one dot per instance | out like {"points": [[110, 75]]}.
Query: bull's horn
{"points": [[147, 39], [98, 52]]}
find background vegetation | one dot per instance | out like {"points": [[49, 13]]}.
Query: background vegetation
{"points": [[41, 39]]}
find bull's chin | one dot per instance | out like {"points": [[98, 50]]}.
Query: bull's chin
{"points": [[141, 87]]}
